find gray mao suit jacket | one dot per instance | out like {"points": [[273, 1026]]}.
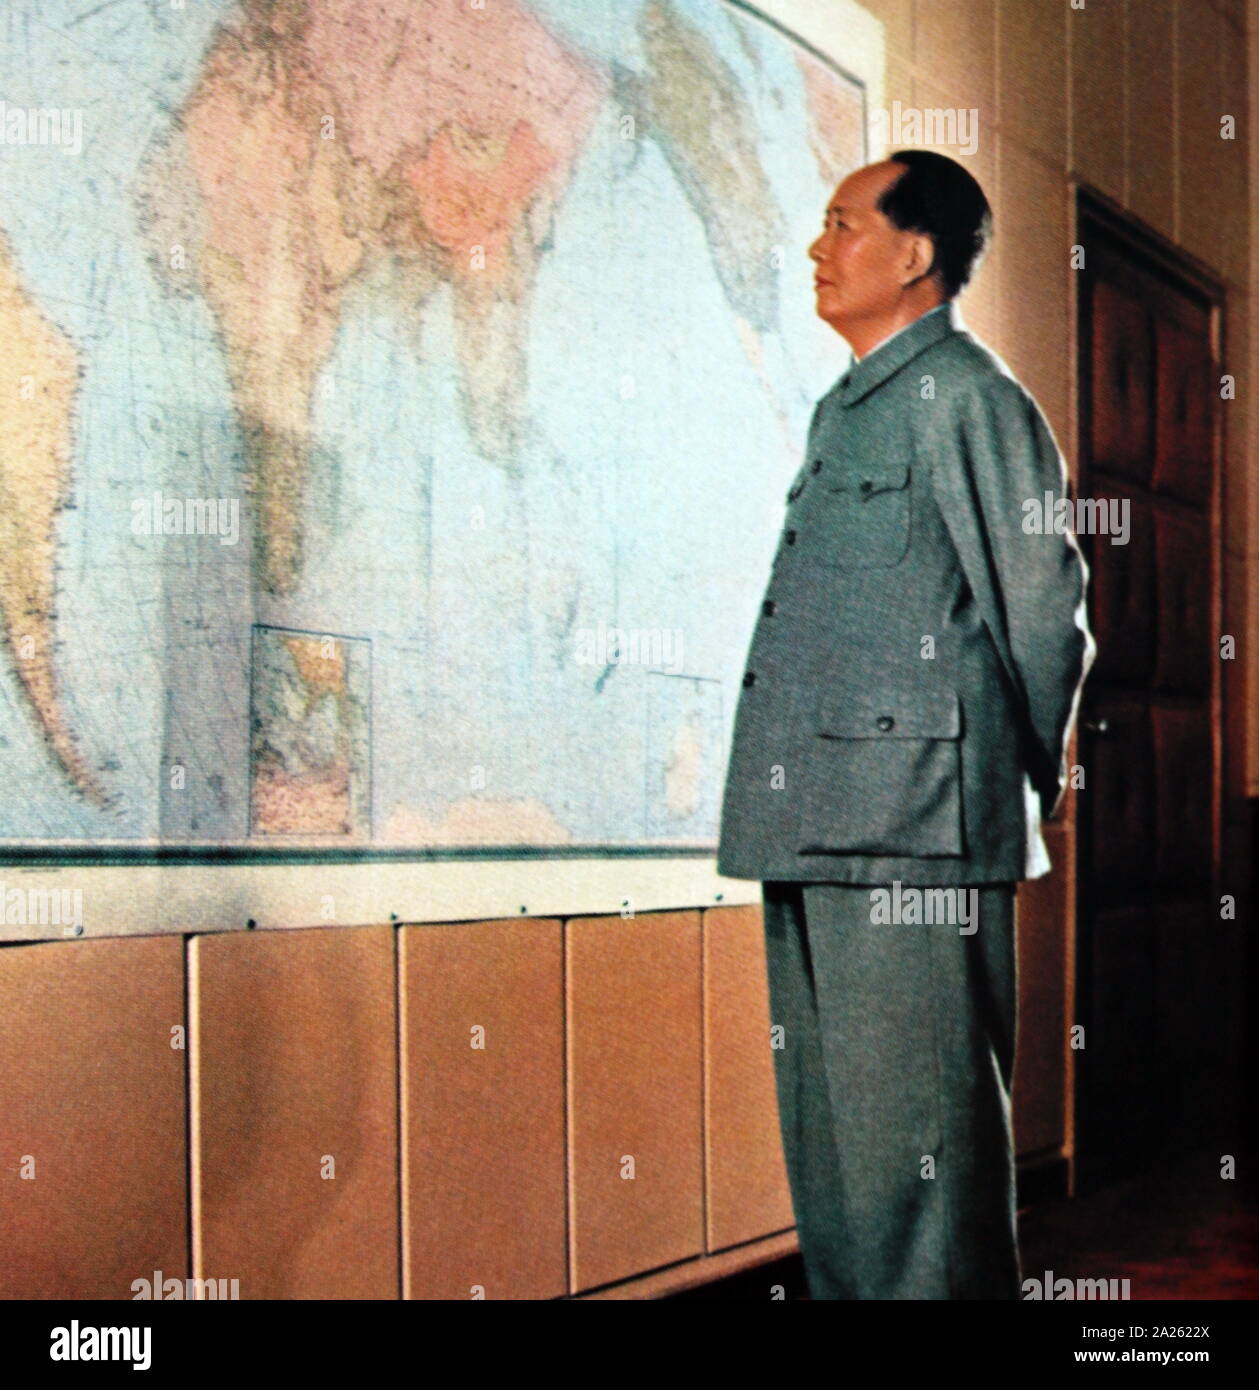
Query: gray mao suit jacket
{"points": [[917, 664]]}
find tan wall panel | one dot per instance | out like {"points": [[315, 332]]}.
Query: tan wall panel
{"points": [[1151, 128], [1203, 159], [635, 1086], [748, 1194], [1030, 217], [484, 1180], [294, 1057], [1032, 68], [93, 1091], [1040, 1079], [1095, 48], [955, 44], [1234, 184], [898, 85]]}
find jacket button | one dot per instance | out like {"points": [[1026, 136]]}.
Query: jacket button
{"points": [[866, 484], [817, 465], [749, 678], [790, 538], [886, 722], [795, 492], [769, 607]]}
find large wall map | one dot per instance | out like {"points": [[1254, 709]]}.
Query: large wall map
{"points": [[399, 397]]}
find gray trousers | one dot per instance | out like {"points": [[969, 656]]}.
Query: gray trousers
{"points": [[894, 1068]]}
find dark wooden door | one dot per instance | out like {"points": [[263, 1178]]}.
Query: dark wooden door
{"points": [[1147, 852]]}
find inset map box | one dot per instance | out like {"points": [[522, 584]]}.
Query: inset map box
{"points": [[310, 734]]}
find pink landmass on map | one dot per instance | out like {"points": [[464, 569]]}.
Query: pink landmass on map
{"points": [[320, 135]]}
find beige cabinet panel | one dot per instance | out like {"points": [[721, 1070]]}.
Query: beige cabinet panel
{"points": [[483, 1109], [634, 1094], [748, 1194], [294, 1049], [92, 1102]]}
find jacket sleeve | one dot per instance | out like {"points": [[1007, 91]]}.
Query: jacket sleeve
{"points": [[1040, 576]]}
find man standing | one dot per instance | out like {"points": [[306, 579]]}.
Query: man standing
{"points": [[910, 690]]}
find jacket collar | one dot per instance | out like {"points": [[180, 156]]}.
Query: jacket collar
{"points": [[892, 354]]}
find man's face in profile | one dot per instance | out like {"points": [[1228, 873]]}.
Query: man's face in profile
{"points": [[862, 260]]}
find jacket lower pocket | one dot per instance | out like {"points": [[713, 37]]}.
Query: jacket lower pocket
{"points": [[884, 777]]}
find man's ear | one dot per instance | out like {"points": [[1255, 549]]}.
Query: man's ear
{"points": [[920, 261]]}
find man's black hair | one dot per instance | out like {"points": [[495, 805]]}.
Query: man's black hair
{"points": [[937, 197]]}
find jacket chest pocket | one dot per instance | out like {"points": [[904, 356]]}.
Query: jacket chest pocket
{"points": [[861, 517]]}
